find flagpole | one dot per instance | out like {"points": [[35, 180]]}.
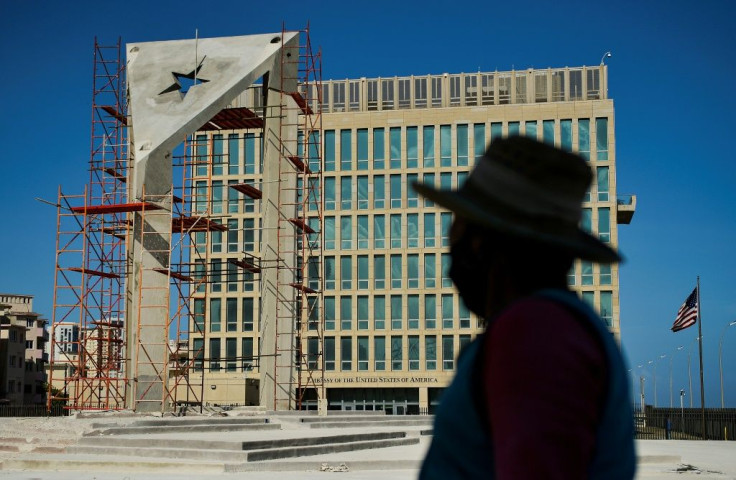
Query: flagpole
{"points": [[700, 345]]}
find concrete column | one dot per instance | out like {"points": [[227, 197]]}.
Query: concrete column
{"points": [[423, 400], [278, 248]]}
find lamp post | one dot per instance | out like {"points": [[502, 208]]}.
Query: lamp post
{"points": [[682, 410], [720, 357], [689, 376], [672, 358], [605, 56], [654, 375]]}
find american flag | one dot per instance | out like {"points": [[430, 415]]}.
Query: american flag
{"points": [[688, 313]]}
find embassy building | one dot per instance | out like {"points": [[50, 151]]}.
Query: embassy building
{"points": [[392, 323]]}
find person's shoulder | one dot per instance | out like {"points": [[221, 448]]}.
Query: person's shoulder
{"points": [[536, 309]]}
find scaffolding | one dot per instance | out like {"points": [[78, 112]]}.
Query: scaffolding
{"points": [[95, 232], [92, 233]]}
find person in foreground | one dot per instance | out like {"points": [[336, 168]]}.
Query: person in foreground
{"points": [[543, 392]]}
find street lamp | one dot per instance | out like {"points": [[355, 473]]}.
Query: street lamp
{"points": [[720, 357], [672, 358], [605, 56], [654, 375]]}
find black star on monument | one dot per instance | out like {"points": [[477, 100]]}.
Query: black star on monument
{"points": [[184, 81]]}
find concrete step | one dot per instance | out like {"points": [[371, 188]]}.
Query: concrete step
{"points": [[97, 463], [371, 423], [178, 421], [361, 417], [237, 446], [225, 427], [233, 456]]}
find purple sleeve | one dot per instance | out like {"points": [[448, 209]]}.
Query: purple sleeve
{"points": [[545, 382]]}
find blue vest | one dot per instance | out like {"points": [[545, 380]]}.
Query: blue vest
{"points": [[462, 445]]}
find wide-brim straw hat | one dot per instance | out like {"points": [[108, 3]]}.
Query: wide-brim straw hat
{"points": [[528, 189]]}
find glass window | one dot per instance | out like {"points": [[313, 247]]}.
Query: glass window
{"points": [[607, 308], [346, 312], [548, 132], [346, 193], [571, 275], [379, 231], [586, 222], [379, 192], [606, 276], [199, 315], [594, 84], [249, 154], [395, 181], [246, 346], [436, 91], [464, 341], [496, 130], [412, 230], [446, 223], [446, 280], [346, 354], [346, 155], [462, 145], [313, 272], [216, 275], [413, 344], [429, 181], [520, 83], [429, 240], [584, 138], [430, 352], [329, 273], [201, 156], [430, 270], [313, 312], [338, 97], [198, 348], [601, 138], [412, 267], [420, 92], [217, 193], [362, 353], [379, 352], [329, 354], [445, 146], [362, 272], [232, 154], [479, 140], [371, 87], [218, 156], [379, 149], [463, 314], [448, 352], [454, 90], [232, 276], [446, 180], [362, 232], [379, 271], [412, 198], [362, 192], [200, 275], [329, 141], [430, 311], [354, 87], [395, 143], [447, 311], [362, 140], [396, 273], [531, 129], [215, 354], [428, 146], [346, 272], [576, 85], [329, 233], [395, 230], [346, 232], [330, 313], [586, 272], [200, 197], [558, 86], [604, 224], [387, 94], [231, 354], [602, 178], [362, 312], [513, 128], [396, 312], [312, 352], [232, 236], [540, 87], [397, 352], [412, 305], [566, 135], [412, 159], [330, 193], [379, 312], [231, 314], [215, 315], [461, 178]]}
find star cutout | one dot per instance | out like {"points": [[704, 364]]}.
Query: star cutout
{"points": [[184, 81]]}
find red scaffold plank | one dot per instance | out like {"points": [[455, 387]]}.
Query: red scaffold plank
{"points": [[302, 225], [299, 164], [302, 288], [96, 273], [246, 265], [196, 224], [248, 190], [115, 114], [175, 275], [233, 119], [117, 208], [306, 110]]}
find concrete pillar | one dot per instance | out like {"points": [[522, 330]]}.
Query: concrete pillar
{"points": [[423, 400]]}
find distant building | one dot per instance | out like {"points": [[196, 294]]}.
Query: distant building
{"points": [[23, 339]]}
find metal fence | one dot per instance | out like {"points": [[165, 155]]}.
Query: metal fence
{"points": [[685, 424], [32, 411]]}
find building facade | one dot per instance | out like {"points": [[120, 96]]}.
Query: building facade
{"points": [[23, 357], [393, 324]]}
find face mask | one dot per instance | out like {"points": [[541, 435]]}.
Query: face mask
{"points": [[469, 272]]}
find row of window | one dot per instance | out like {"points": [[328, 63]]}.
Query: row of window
{"points": [[401, 147], [395, 353]]}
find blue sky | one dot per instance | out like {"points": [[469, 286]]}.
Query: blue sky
{"points": [[671, 78]]}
